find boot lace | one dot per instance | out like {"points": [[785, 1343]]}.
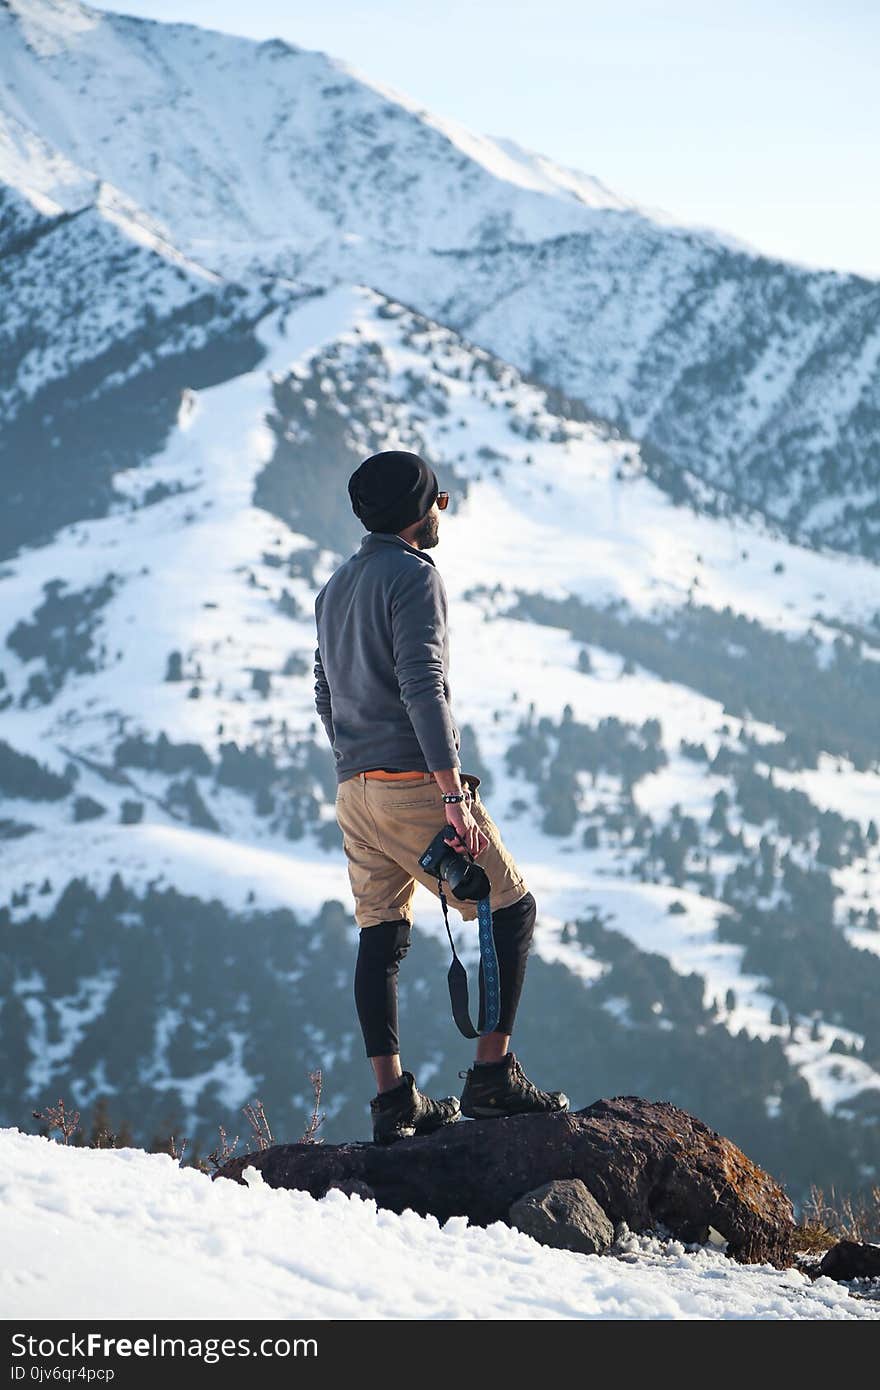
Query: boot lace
{"points": [[528, 1086]]}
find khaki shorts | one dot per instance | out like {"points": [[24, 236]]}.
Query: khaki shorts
{"points": [[387, 825]]}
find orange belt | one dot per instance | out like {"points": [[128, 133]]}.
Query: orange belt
{"points": [[390, 776]]}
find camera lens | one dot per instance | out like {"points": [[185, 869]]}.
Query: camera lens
{"points": [[466, 880]]}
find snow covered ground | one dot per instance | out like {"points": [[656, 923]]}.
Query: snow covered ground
{"points": [[127, 1234]]}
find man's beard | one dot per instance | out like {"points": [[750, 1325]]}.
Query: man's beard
{"points": [[428, 533]]}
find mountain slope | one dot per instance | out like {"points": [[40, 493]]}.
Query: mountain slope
{"points": [[109, 299], [267, 159], [103, 318], [703, 876]]}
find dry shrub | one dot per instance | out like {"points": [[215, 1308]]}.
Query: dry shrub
{"points": [[826, 1221]]}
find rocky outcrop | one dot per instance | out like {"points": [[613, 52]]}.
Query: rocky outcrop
{"points": [[644, 1162], [851, 1259]]}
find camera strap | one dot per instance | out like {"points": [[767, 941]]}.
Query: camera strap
{"points": [[457, 977]]}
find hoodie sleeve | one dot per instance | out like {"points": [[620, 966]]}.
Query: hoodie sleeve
{"points": [[322, 696], [419, 642]]}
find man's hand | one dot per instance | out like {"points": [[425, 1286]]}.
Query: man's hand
{"points": [[469, 837]]}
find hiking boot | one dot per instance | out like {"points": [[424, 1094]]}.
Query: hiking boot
{"points": [[502, 1088], [404, 1111]]}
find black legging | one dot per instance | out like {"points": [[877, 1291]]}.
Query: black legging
{"points": [[383, 947]]}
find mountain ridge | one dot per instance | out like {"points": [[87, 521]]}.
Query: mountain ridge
{"points": [[265, 161]]}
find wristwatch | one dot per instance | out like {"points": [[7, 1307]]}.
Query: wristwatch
{"points": [[454, 796]]}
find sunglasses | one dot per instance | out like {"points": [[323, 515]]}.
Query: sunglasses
{"points": [[443, 500]]}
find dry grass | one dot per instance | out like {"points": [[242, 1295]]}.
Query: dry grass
{"points": [[65, 1121], [828, 1220]]}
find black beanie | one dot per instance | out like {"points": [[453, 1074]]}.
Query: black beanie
{"points": [[391, 490]]}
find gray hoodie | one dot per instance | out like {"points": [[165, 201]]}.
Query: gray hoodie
{"points": [[382, 661]]}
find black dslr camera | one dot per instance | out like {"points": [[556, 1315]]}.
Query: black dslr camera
{"points": [[466, 879]]}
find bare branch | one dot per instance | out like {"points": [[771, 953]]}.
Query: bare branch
{"points": [[223, 1151], [176, 1151], [256, 1118], [317, 1079], [57, 1117]]}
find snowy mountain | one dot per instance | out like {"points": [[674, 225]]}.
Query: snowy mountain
{"points": [[72, 1217], [101, 316], [702, 862], [267, 159]]}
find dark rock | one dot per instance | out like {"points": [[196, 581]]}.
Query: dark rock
{"points": [[849, 1259], [353, 1187], [564, 1214], [645, 1162]]}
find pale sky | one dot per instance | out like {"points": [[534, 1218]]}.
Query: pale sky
{"points": [[760, 119]]}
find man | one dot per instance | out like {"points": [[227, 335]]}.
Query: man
{"points": [[382, 692]]}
